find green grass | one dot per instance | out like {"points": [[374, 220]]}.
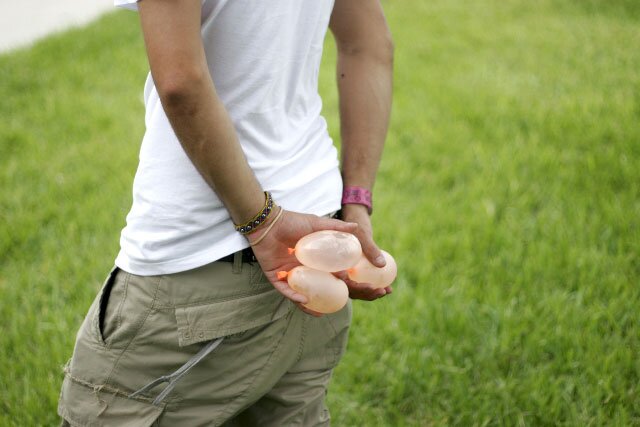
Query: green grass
{"points": [[509, 193]]}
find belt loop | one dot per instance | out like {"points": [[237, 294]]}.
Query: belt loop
{"points": [[237, 263]]}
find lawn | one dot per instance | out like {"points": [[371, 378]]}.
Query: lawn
{"points": [[509, 194]]}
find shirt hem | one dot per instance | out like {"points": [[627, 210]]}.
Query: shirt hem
{"points": [[193, 261]]}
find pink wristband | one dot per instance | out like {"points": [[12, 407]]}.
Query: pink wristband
{"points": [[358, 196]]}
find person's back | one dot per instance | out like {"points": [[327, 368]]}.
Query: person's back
{"points": [[193, 326], [264, 65]]}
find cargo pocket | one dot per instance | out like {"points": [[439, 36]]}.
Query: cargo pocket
{"points": [[123, 304], [207, 321], [85, 404], [100, 306]]}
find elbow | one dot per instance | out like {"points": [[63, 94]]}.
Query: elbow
{"points": [[379, 49], [178, 88]]}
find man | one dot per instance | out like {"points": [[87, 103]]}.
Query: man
{"points": [[235, 166]]}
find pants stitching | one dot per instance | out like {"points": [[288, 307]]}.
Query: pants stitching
{"points": [[106, 387], [124, 298], [136, 331], [230, 409], [303, 335]]}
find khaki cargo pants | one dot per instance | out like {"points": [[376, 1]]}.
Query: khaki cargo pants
{"points": [[271, 368]]}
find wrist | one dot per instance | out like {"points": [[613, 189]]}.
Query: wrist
{"points": [[260, 233], [354, 210], [259, 218], [357, 214], [360, 196]]}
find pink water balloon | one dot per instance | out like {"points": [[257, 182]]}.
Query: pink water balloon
{"points": [[365, 272], [325, 292], [328, 250]]}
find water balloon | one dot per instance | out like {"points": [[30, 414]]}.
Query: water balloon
{"points": [[325, 292], [328, 250], [365, 272]]}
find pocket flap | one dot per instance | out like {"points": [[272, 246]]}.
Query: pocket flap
{"points": [[209, 321]]}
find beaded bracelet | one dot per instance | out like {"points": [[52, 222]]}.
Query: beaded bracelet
{"points": [[261, 238], [255, 222]]}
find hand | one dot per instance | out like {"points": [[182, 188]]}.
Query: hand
{"points": [[272, 252], [358, 214]]}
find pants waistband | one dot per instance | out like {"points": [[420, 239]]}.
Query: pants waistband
{"points": [[246, 254]]}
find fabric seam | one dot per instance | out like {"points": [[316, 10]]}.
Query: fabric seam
{"points": [[135, 333]]}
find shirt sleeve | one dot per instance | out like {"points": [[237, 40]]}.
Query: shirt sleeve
{"points": [[126, 4]]}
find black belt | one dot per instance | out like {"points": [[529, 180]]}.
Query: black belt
{"points": [[247, 256]]}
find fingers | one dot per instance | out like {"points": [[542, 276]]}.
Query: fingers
{"points": [[320, 223], [342, 275], [289, 293], [363, 291], [366, 291], [309, 311], [297, 298]]}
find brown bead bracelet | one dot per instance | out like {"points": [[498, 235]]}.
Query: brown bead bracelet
{"points": [[255, 222]]}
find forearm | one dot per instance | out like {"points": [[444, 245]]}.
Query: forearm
{"points": [[179, 68], [365, 90], [364, 74], [207, 135]]}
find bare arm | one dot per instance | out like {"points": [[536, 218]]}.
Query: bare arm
{"points": [[172, 37], [364, 75], [178, 65]]}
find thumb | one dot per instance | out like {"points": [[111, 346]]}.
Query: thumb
{"points": [[372, 252]]}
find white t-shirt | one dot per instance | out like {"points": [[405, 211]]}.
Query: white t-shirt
{"points": [[264, 58]]}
